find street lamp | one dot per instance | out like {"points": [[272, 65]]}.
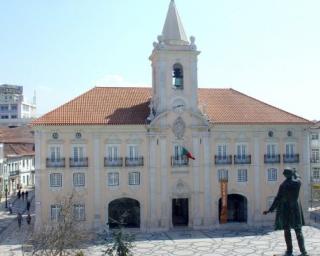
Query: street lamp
{"points": [[6, 194]]}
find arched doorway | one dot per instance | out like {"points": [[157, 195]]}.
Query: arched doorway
{"points": [[237, 208], [125, 211]]}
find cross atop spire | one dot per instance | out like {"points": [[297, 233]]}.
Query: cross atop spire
{"points": [[173, 31]]}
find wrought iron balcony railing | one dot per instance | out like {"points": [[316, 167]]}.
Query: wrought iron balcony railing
{"points": [[314, 160], [14, 173], [113, 162], [56, 163], [79, 162], [272, 159], [136, 161], [291, 158], [221, 160], [242, 159], [179, 161]]}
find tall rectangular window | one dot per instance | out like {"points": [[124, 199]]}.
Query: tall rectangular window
{"points": [[79, 212], [223, 174], [55, 153], [315, 155], [79, 179], [314, 136], [113, 179], [133, 151], [112, 152], [272, 174], [78, 153], [316, 173], [55, 180], [242, 151], [290, 149], [134, 178], [55, 212], [177, 152], [222, 151], [271, 150], [242, 175]]}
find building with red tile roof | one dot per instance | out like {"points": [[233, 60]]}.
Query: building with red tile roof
{"points": [[167, 156]]}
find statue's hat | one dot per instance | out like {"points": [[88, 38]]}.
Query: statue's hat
{"points": [[288, 171]]}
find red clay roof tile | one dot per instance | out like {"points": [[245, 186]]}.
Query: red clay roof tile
{"points": [[125, 106]]}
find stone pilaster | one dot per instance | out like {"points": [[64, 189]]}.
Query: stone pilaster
{"points": [[153, 220], [164, 184], [97, 177], [196, 180], [208, 198], [39, 169]]}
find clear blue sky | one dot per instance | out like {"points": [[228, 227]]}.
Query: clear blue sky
{"points": [[268, 49]]}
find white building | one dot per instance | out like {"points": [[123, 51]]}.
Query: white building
{"points": [[14, 110], [315, 163], [122, 149], [16, 159]]}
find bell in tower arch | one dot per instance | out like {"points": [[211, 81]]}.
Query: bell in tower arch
{"points": [[177, 76]]}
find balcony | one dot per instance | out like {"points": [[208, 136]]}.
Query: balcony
{"points": [[222, 160], [56, 163], [292, 158], [137, 161], [242, 159], [314, 160], [272, 159], [179, 161], [78, 162], [14, 173], [113, 162]]}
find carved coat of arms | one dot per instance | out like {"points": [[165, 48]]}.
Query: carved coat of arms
{"points": [[179, 128]]}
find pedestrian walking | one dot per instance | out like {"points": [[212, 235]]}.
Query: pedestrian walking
{"points": [[28, 205], [27, 195], [19, 194], [28, 219], [19, 218], [22, 195], [10, 208]]}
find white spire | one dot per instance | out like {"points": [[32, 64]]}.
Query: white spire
{"points": [[173, 31]]}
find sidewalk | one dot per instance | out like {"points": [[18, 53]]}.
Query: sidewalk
{"points": [[18, 205]]}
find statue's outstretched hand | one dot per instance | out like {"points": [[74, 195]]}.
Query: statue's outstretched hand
{"points": [[265, 212]]}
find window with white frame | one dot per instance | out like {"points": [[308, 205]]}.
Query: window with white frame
{"points": [[133, 151], [242, 151], [177, 152], [271, 150], [55, 180], [315, 155], [54, 153], [314, 136], [113, 179], [222, 151], [134, 178], [272, 174], [79, 211], [290, 149], [78, 153], [55, 212], [316, 173], [112, 152], [223, 174], [79, 179], [242, 175]]}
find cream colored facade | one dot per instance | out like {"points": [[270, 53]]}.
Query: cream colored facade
{"points": [[175, 121]]}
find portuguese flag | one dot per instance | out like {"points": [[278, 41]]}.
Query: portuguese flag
{"points": [[186, 153]]}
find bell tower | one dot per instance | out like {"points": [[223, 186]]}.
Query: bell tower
{"points": [[174, 67]]}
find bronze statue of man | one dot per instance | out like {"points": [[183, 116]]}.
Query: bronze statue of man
{"points": [[288, 210]]}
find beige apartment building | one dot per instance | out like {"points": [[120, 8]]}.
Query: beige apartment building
{"points": [[123, 149]]}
